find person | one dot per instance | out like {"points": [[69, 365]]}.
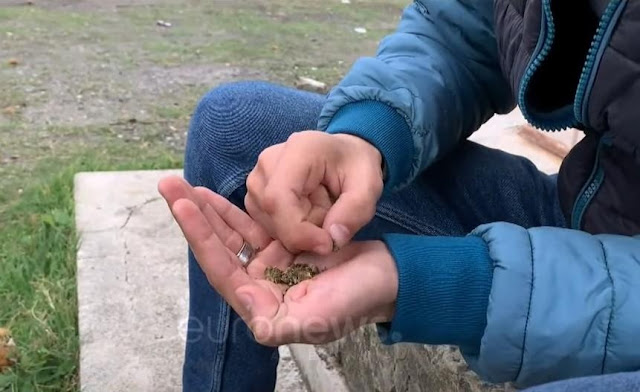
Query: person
{"points": [[432, 238]]}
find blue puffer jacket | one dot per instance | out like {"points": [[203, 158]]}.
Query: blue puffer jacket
{"points": [[550, 303]]}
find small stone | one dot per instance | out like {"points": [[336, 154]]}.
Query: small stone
{"points": [[11, 110], [13, 62], [309, 84]]}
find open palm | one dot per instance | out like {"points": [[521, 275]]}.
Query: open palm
{"points": [[358, 285]]}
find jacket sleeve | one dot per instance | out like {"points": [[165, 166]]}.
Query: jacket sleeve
{"points": [[544, 304], [431, 84]]}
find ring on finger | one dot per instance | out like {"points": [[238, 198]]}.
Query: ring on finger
{"points": [[246, 254]]}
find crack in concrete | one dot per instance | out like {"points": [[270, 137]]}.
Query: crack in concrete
{"points": [[126, 261], [133, 209]]}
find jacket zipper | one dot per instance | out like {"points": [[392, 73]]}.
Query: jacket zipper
{"points": [[589, 190], [579, 114], [603, 34]]}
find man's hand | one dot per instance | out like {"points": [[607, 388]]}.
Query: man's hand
{"points": [[316, 190], [358, 286]]}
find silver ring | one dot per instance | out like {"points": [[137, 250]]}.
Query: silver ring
{"points": [[245, 254]]}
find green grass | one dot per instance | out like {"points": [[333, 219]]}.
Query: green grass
{"points": [[37, 259]]}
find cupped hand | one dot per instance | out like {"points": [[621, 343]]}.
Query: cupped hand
{"points": [[358, 284], [316, 190]]}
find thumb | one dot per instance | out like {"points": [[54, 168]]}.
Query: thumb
{"points": [[246, 301], [254, 301], [349, 214]]}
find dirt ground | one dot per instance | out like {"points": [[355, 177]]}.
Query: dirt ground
{"points": [[76, 74]]}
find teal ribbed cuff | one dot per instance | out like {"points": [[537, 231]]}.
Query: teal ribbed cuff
{"points": [[443, 290], [382, 126]]}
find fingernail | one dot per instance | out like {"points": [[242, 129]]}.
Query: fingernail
{"points": [[246, 300], [339, 234]]}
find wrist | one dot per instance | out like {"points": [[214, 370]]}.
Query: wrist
{"points": [[359, 144], [386, 129], [384, 258], [379, 273], [362, 146]]}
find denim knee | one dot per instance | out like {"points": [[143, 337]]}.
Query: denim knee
{"points": [[235, 122], [222, 144]]}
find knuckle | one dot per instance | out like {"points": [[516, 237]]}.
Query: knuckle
{"points": [[253, 183], [296, 137], [250, 206], [307, 140], [378, 185], [269, 200], [366, 204], [264, 156], [370, 210], [290, 241]]}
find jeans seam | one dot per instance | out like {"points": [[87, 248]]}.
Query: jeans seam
{"points": [[219, 359], [391, 214]]}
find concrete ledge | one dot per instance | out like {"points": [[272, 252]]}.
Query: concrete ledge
{"points": [[320, 370], [132, 284]]}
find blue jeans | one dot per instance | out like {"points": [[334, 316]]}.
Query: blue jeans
{"points": [[235, 122]]}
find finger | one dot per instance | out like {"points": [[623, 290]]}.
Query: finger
{"points": [[222, 271], [299, 169], [274, 255], [235, 220], [320, 205], [298, 227], [258, 215], [257, 178], [229, 237], [304, 236], [355, 207], [286, 200], [173, 188], [324, 262], [256, 181]]}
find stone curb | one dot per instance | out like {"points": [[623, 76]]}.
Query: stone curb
{"points": [[318, 374]]}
